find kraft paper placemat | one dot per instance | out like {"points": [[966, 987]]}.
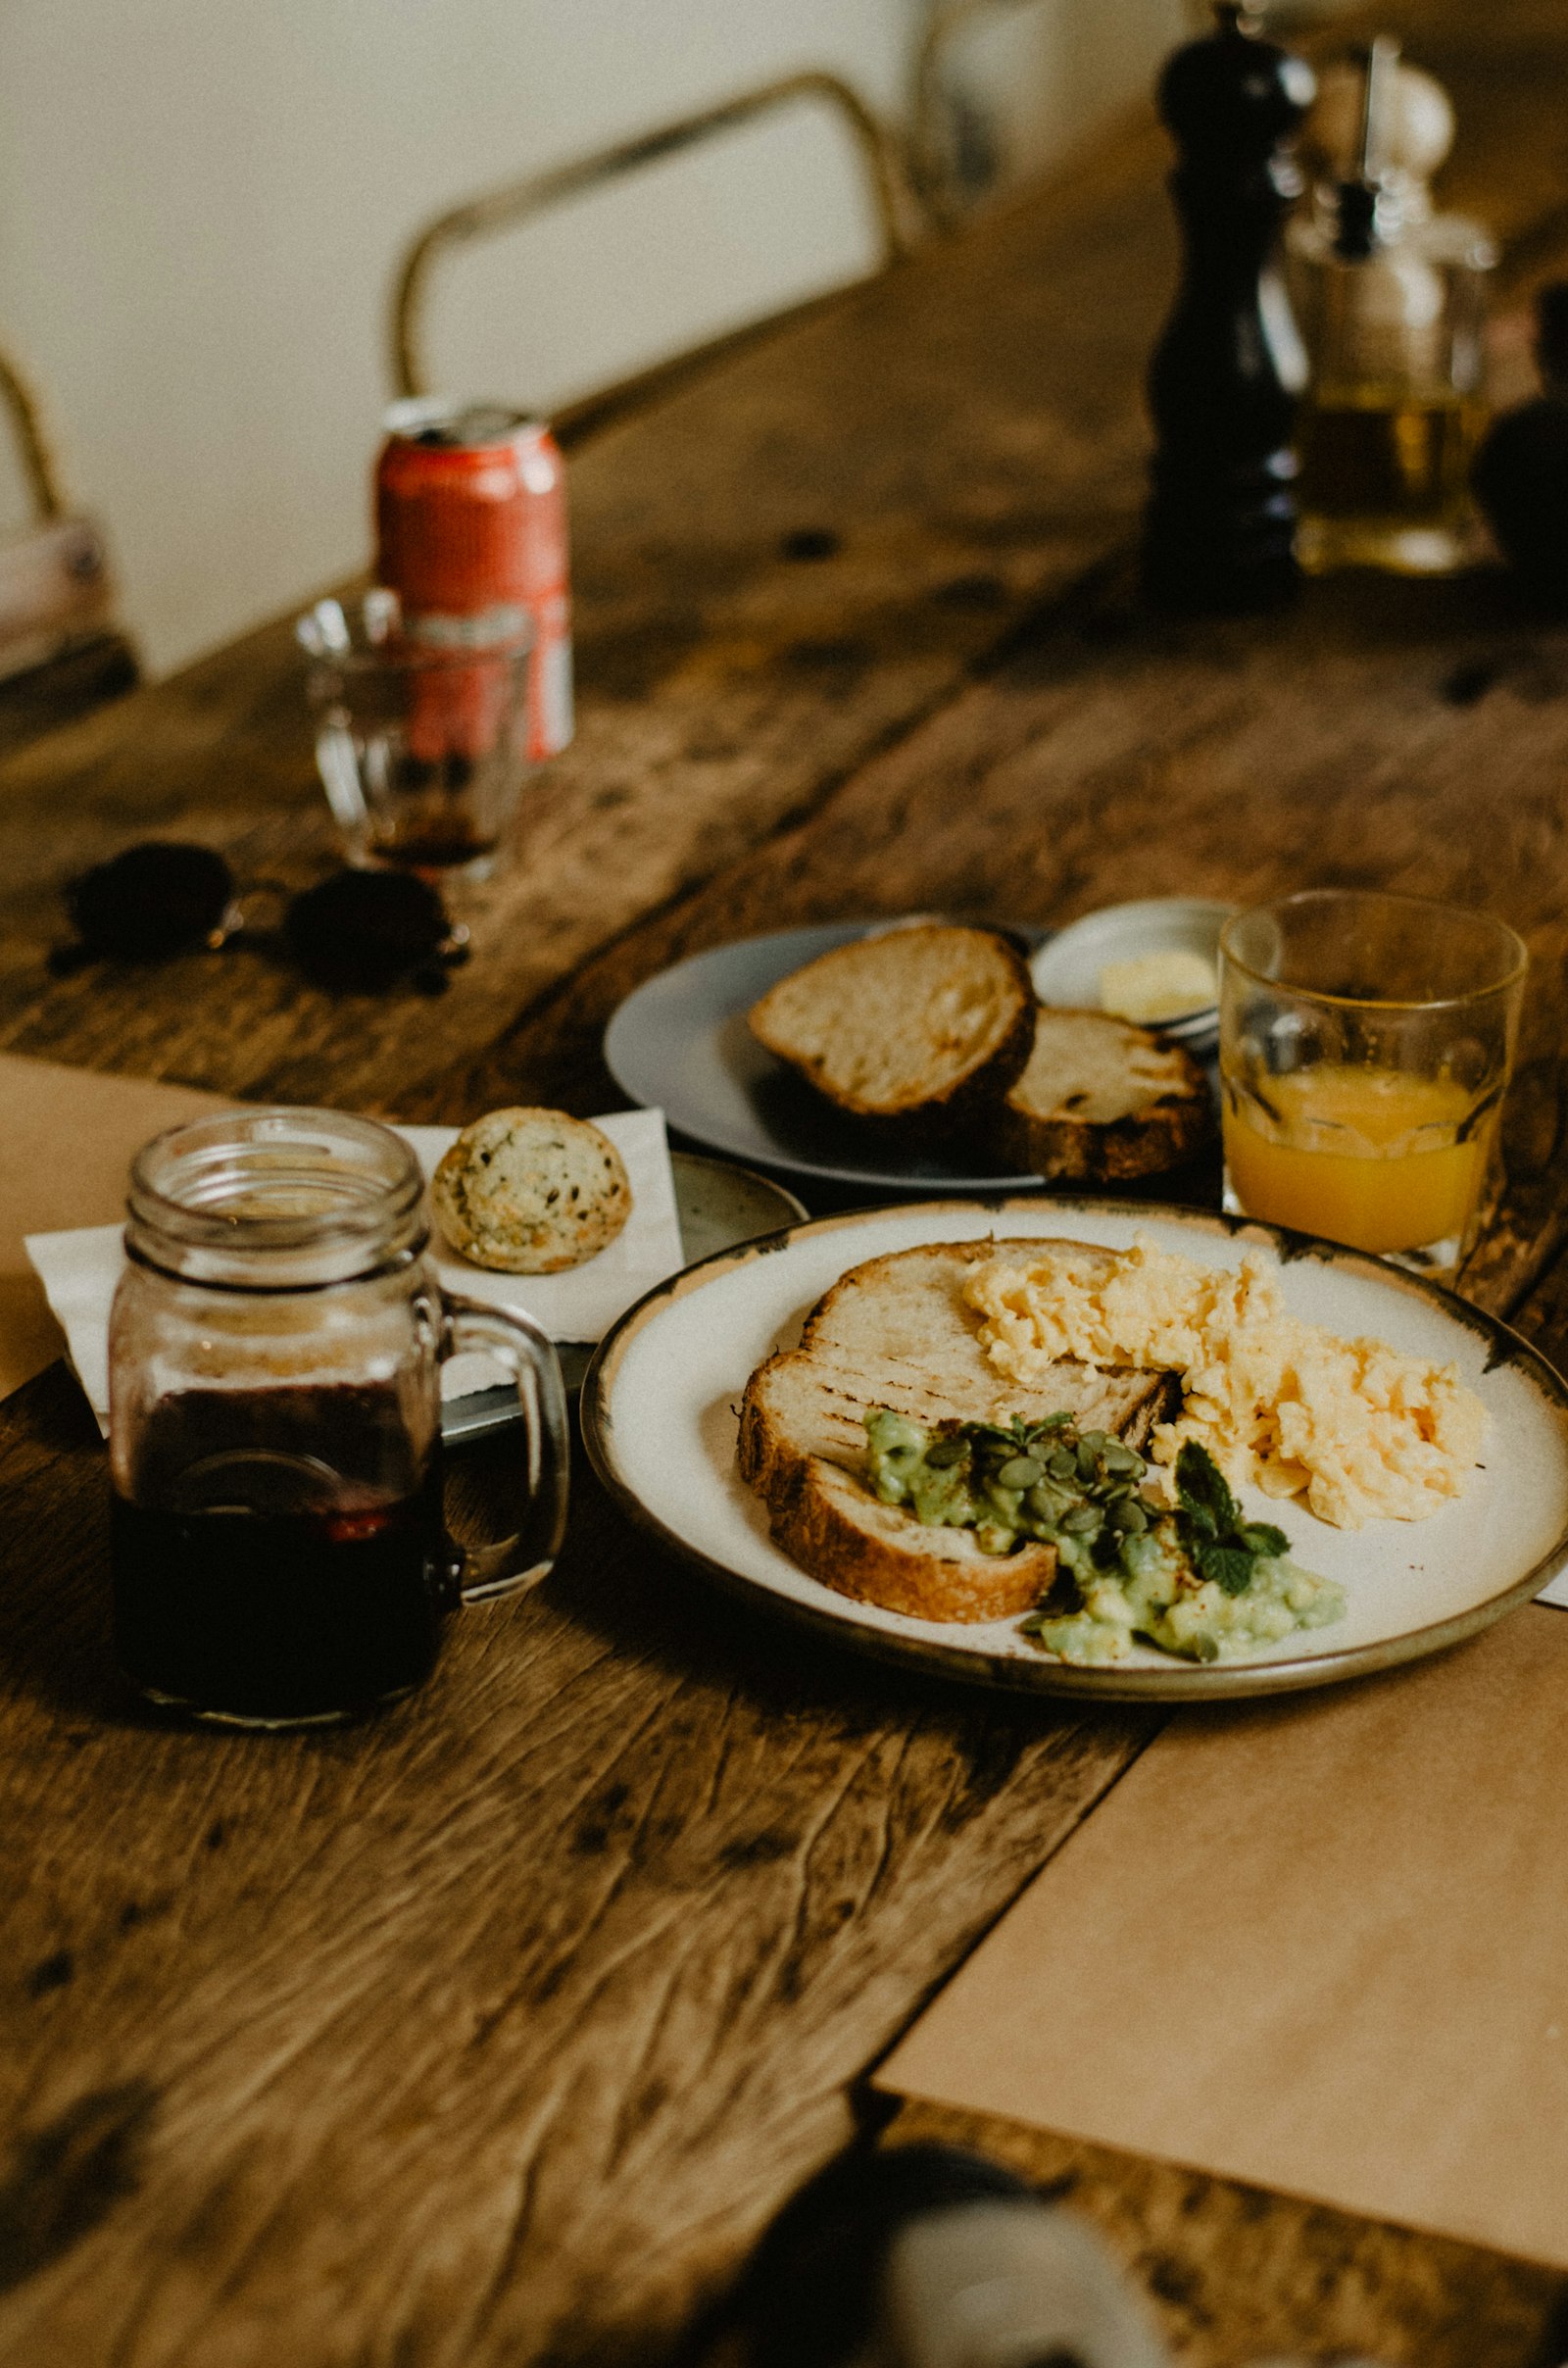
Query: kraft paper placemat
{"points": [[1319, 1945], [67, 1137]]}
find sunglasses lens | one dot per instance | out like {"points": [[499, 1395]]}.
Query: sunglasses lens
{"points": [[366, 930], [151, 901]]}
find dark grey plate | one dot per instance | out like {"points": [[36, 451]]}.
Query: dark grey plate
{"points": [[680, 1044]]}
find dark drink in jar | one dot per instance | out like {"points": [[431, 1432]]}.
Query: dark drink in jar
{"points": [[470, 519], [285, 1558], [278, 1550]]}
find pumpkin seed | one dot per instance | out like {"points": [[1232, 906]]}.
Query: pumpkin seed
{"points": [[943, 1452], [1130, 1519], [1019, 1471]]}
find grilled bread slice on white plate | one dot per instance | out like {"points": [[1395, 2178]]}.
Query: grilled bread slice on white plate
{"points": [[895, 1332]]}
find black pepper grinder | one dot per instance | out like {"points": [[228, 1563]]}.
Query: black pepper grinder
{"points": [[1225, 375], [1521, 471]]}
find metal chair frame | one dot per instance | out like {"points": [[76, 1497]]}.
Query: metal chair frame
{"points": [[909, 178], [516, 202], [38, 460], [929, 164]]}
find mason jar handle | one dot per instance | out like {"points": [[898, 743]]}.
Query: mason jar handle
{"points": [[510, 1564]]}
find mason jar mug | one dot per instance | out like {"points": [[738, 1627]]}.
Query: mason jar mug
{"points": [[279, 1547]]}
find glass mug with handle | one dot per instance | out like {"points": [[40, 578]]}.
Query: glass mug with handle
{"points": [[279, 1551]]}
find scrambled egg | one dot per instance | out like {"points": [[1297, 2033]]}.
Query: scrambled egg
{"points": [[1356, 1428]]}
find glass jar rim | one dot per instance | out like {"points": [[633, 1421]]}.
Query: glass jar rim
{"points": [[1508, 940], [189, 1186]]}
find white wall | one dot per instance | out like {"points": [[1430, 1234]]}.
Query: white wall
{"points": [[201, 201]]}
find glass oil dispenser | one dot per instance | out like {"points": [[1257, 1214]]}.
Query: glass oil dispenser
{"points": [[1391, 299]]}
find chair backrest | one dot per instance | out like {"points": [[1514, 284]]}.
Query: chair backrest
{"points": [[59, 649], [898, 217]]}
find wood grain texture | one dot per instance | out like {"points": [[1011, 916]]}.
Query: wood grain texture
{"points": [[45, 697], [490, 2032], [493, 2032]]}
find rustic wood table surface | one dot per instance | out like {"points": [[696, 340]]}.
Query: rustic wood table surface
{"points": [[493, 2032]]}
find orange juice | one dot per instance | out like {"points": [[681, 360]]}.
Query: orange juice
{"points": [[1369, 1156]]}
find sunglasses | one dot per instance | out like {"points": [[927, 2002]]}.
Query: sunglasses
{"points": [[355, 932]]}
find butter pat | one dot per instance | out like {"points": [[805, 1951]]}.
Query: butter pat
{"points": [[1154, 987]]}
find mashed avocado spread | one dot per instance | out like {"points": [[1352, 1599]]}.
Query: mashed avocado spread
{"points": [[1196, 1577]]}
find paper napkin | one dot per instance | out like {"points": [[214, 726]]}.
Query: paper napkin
{"points": [[80, 1268]]}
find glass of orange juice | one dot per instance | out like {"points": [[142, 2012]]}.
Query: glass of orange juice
{"points": [[1365, 1045]]}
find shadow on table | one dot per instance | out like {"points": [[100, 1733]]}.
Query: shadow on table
{"points": [[656, 1608]]}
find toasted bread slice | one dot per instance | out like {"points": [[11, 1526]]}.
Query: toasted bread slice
{"points": [[895, 1332], [919, 1027], [1101, 1101]]}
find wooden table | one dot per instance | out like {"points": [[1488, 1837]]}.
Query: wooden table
{"points": [[495, 2031]]}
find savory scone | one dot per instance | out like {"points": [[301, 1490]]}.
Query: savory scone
{"points": [[531, 1191]]}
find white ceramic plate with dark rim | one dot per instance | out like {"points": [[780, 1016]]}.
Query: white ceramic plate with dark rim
{"points": [[679, 1043], [659, 1413]]}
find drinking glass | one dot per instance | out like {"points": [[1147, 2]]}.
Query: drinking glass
{"points": [[421, 744], [1365, 1044], [279, 1551]]}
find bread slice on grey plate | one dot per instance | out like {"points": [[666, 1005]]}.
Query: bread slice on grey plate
{"points": [[1101, 1101], [922, 1026], [895, 1332]]}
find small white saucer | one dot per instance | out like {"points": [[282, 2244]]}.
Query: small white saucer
{"points": [[1067, 969]]}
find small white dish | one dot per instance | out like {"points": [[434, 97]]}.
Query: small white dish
{"points": [[1066, 968]]}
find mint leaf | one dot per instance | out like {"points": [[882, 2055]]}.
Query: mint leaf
{"points": [[1229, 1566], [1203, 1492], [1219, 1545]]}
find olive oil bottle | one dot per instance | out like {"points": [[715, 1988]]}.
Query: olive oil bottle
{"points": [[1389, 298], [1386, 475]]}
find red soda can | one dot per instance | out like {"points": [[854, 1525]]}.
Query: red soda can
{"points": [[470, 521]]}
